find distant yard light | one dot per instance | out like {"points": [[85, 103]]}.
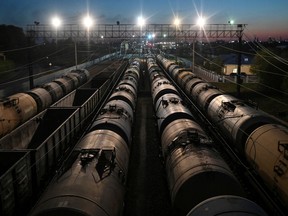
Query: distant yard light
{"points": [[87, 21], [177, 21], [231, 22], [141, 21], [201, 22], [56, 22]]}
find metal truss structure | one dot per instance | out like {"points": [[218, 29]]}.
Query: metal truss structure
{"points": [[157, 32]]}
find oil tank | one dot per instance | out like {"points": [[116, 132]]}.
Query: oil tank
{"points": [[203, 94], [117, 116], [42, 98], [236, 119], [54, 90], [197, 172], [267, 150], [81, 191]]}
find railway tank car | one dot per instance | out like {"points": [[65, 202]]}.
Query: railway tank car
{"points": [[95, 183], [17, 108], [262, 139], [195, 170]]}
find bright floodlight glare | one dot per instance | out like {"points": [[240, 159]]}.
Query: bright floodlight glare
{"points": [[141, 21], [177, 21], [56, 22], [201, 21], [87, 21]]}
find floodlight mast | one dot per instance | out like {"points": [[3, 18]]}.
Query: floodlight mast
{"points": [[200, 23]]}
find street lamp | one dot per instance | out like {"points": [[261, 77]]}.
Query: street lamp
{"points": [[87, 22], [141, 21], [201, 22], [56, 22]]}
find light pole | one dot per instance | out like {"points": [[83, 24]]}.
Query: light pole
{"points": [[56, 22], [200, 23], [176, 23], [239, 80], [87, 22], [141, 23]]}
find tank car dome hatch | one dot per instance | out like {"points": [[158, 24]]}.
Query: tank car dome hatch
{"points": [[227, 205]]}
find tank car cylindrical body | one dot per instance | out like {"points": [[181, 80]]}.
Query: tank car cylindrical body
{"points": [[227, 205], [178, 128], [170, 108], [54, 90], [128, 80], [41, 97], [15, 110], [191, 83], [83, 190], [161, 86], [82, 75], [95, 183], [195, 170], [181, 77], [236, 119], [203, 94], [117, 115], [66, 83], [125, 93], [267, 150], [25, 106], [134, 72], [74, 78]]}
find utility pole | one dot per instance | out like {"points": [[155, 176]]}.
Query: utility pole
{"points": [[30, 65], [239, 80]]}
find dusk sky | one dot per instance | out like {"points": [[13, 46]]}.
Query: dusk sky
{"points": [[264, 17]]}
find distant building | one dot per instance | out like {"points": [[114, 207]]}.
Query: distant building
{"points": [[230, 62]]}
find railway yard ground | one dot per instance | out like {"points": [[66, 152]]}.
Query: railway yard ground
{"points": [[147, 188]]}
